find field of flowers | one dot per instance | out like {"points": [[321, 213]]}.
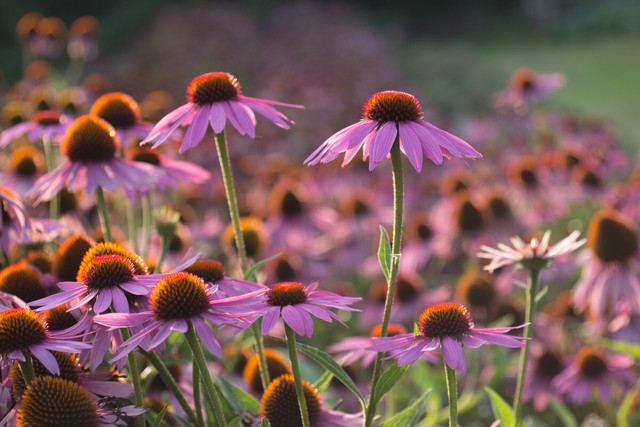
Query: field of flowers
{"points": [[313, 247]]}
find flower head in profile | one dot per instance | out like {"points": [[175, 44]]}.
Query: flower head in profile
{"points": [[44, 124], [213, 98], [446, 325], [296, 303], [15, 224], [387, 117], [534, 255], [90, 148], [123, 113], [526, 88], [280, 406]]}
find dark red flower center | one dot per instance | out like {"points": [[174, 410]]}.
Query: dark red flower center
{"points": [[213, 87], [56, 402], [59, 318], [523, 79], [179, 296], [26, 160], [69, 257], [145, 155], [90, 139], [67, 362], [591, 362], [47, 118], [476, 289], [108, 248], [446, 319], [117, 108], [106, 271], [208, 270], [548, 364], [21, 281], [611, 238], [469, 217], [20, 328], [499, 207], [287, 293], [253, 232], [392, 106], [280, 403]]}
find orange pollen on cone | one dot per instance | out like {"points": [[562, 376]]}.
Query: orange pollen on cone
{"points": [[106, 271], [392, 106], [117, 108], [90, 139], [179, 296], [287, 293], [213, 87], [446, 319]]}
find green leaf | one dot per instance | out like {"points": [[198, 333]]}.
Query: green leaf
{"points": [[160, 416], [250, 272], [501, 409], [622, 417], [326, 361], [238, 398], [323, 382], [237, 422], [410, 416], [632, 350], [541, 294], [384, 253], [564, 413], [265, 423], [388, 380]]}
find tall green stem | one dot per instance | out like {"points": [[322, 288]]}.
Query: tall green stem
{"points": [[26, 367], [50, 160], [104, 216], [452, 391], [524, 351], [171, 383], [195, 383], [232, 200], [295, 367], [198, 357], [398, 197], [146, 225], [132, 229], [262, 359], [166, 242], [134, 377]]}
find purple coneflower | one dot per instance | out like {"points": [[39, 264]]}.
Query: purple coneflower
{"points": [[535, 254], [296, 303], [177, 300], [23, 330], [123, 113], [90, 148], [212, 99], [15, 224], [280, 406], [610, 273], [446, 325], [592, 369], [213, 274], [526, 87], [44, 124], [388, 116]]}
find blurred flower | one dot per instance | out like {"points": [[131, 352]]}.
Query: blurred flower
{"points": [[534, 255], [90, 149], [212, 99], [543, 367], [15, 224], [44, 124], [446, 325], [593, 369], [83, 38], [385, 115], [526, 88], [123, 113]]}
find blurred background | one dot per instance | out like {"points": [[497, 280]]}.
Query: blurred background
{"points": [[330, 56]]}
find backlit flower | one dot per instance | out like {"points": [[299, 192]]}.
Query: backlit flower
{"points": [[15, 224], [526, 88], [123, 113], [44, 124], [388, 116], [212, 99], [446, 325]]}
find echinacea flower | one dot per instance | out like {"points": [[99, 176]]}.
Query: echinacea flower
{"points": [[296, 303], [213, 274], [15, 224], [592, 370], [175, 301], [280, 406], [212, 99], [533, 255], [610, 272], [388, 116], [446, 325], [62, 402], [23, 330], [44, 124], [526, 88], [276, 365], [123, 113], [90, 148]]}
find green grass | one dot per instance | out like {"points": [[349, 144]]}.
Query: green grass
{"points": [[603, 75]]}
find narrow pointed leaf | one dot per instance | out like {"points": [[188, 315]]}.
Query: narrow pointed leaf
{"points": [[411, 415], [564, 413], [238, 399], [384, 253], [251, 271], [160, 416], [501, 409], [388, 380]]}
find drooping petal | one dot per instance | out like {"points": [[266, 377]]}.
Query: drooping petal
{"points": [[207, 337], [381, 143], [197, 128], [410, 145]]}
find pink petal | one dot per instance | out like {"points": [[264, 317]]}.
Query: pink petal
{"points": [[207, 337], [410, 145], [197, 128], [245, 117], [269, 319], [382, 142]]}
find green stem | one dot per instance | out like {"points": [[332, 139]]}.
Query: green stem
{"points": [[6, 261], [524, 351], [232, 200], [131, 226], [26, 367], [398, 197], [295, 367], [171, 383], [104, 216], [195, 380], [452, 391], [50, 160], [198, 357], [166, 242], [262, 359], [146, 225], [134, 378]]}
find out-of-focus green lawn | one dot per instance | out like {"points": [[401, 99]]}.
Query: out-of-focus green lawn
{"points": [[603, 75]]}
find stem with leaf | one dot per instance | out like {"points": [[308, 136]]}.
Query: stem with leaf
{"points": [[398, 198], [295, 367]]}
